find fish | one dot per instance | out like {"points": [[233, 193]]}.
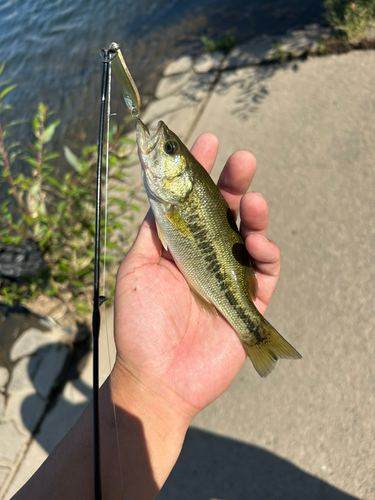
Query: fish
{"points": [[195, 223]]}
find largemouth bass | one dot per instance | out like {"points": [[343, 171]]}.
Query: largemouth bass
{"points": [[195, 224]]}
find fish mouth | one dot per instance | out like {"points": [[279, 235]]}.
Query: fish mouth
{"points": [[146, 141]]}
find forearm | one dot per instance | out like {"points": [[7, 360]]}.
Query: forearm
{"points": [[150, 437]]}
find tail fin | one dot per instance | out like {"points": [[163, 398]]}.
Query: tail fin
{"points": [[267, 351]]}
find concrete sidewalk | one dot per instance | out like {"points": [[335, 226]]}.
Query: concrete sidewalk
{"points": [[307, 431]]}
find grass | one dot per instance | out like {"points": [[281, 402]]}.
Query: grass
{"points": [[350, 18], [224, 43]]}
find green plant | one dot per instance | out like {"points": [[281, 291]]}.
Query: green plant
{"points": [[59, 214], [321, 47], [224, 43], [278, 53], [351, 18]]}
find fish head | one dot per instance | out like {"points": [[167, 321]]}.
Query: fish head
{"points": [[166, 172]]}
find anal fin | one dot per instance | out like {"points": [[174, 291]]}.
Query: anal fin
{"points": [[203, 304]]}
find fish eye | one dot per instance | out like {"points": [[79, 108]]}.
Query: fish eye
{"points": [[170, 147]]}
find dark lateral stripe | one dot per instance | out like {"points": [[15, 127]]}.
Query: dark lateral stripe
{"points": [[213, 266]]}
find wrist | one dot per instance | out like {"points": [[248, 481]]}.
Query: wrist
{"points": [[150, 400], [150, 431]]}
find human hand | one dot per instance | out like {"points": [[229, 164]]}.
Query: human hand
{"points": [[165, 342], [173, 359]]}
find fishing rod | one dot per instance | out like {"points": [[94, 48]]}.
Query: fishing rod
{"points": [[98, 300], [111, 58]]}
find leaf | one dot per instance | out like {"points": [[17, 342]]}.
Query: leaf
{"points": [[13, 123], [5, 82], [51, 156], [49, 131], [60, 207], [63, 267], [36, 124], [90, 149], [32, 161], [12, 156], [17, 239], [126, 140], [2, 67], [77, 284], [42, 109], [7, 90], [72, 159], [14, 145]]}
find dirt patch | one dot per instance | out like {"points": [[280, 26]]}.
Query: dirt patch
{"points": [[340, 46]]}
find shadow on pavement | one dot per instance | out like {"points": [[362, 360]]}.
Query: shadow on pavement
{"points": [[210, 467], [251, 84], [214, 467], [50, 425]]}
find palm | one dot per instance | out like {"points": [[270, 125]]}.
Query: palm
{"points": [[178, 348]]}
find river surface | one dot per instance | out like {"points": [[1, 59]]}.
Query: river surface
{"points": [[51, 47]]}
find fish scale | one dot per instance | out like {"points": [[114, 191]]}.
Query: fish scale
{"points": [[214, 260], [195, 223]]}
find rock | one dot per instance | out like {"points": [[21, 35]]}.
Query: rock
{"points": [[33, 339], [312, 29], [19, 261], [50, 368], [181, 65], [12, 442], [255, 52], [4, 377], [208, 62], [298, 42]]}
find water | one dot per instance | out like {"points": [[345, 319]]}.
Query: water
{"points": [[51, 46]]}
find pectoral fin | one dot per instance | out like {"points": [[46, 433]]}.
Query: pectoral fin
{"points": [[161, 235], [178, 222]]}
